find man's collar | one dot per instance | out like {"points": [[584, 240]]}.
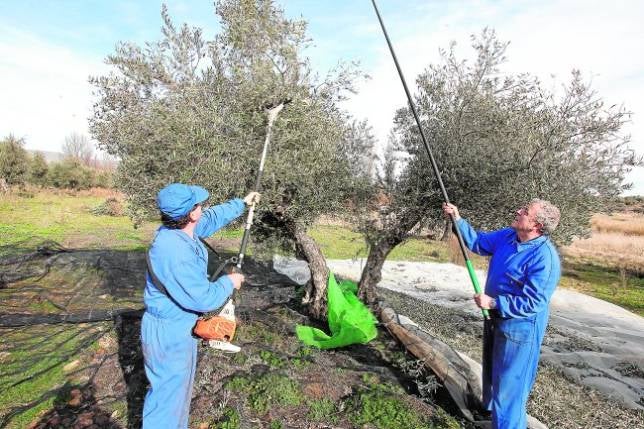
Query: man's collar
{"points": [[530, 243]]}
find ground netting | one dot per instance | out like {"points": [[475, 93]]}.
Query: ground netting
{"points": [[73, 315], [71, 355]]}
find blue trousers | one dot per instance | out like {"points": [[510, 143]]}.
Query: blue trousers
{"points": [[170, 358], [510, 358]]}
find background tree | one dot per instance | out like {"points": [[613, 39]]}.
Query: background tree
{"points": [[188, 110], [389, 164], [78, 147], [358, 145], [500, 140], [38, 169], [14, 160]]}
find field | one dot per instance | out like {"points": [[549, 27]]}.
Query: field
{"points": [[608, 265]]}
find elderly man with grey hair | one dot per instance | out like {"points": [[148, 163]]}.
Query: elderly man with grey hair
{"points": [[522, 275]]}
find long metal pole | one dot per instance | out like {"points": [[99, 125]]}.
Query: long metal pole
{"points": [[235, 262], [461, 243], [272, 115]]}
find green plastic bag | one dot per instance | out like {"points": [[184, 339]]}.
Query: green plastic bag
{"points": [[350, 321]]}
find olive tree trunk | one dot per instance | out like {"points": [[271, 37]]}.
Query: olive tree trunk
{"points": [[390, 238], [315, 296], [372, 271]]}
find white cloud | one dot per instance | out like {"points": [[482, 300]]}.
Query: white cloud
{"points": [[45, 89]]}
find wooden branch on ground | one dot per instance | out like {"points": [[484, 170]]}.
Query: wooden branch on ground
{"points": [[460, 374]]}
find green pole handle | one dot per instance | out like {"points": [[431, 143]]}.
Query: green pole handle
{"points": [[475, 283]]}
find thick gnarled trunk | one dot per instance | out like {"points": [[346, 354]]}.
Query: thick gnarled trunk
{"points": [[372, 271], [315, 297]]}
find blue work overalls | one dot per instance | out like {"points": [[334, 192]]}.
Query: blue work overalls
{"points": [[169, 350], [522, 278]]}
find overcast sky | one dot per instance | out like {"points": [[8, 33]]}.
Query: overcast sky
{"points": [[48, 48]]}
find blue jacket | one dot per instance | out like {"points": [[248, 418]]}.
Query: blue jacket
{"points": [[521, 276], [181, 263]]}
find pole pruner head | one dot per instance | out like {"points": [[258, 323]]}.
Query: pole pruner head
{"points": [[273, 109]]}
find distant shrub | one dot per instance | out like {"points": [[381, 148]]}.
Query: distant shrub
{"points": [[70, 174], [14, 160], [104, 179], [38, 170]]}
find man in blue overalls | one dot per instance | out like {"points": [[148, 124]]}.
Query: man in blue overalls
{"points": [[180, 261], [522, 275]]}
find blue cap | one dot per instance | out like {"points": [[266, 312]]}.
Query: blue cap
{"points": [[177, 200]]}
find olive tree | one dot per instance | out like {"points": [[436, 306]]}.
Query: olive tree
{"points": [[184, 109], [499, 140]]}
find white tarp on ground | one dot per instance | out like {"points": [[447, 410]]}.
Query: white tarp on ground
{"points": [[598, 343]]}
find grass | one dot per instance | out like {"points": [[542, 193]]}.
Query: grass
{"points": [[623, 223], [267, 390], [609, 265], [33, 367], [340, 242], [618, 287], [610, 249], [67, 219], [322, 410]]}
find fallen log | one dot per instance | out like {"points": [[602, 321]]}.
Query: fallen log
{"points": [[460, 374]]}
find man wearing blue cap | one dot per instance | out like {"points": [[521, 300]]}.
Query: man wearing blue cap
{"points": [[179, 261]]}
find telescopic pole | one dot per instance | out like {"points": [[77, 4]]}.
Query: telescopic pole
{"points": [[461, 243], [238, 260], [272, 115]]}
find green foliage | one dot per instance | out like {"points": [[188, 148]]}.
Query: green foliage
{"points": [[501, 139], [103, 178], [70, 174], [271, 359], [230, 420], [358, 145], [265, 390], [14, 160], [184, 109], [322, 410], [38, 170], [276, 424], [381, 407], [109, 207]]}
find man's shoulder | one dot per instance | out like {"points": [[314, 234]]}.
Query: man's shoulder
{"points": [[549, 254], [507, 234], [169, 240]]}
